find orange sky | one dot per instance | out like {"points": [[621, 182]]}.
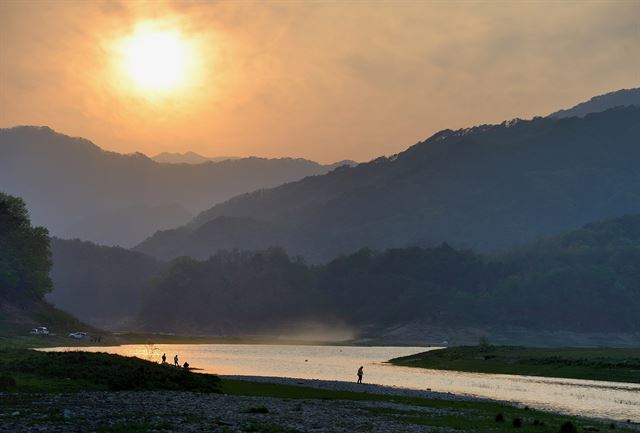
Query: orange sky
{"points": [[321, 80]]}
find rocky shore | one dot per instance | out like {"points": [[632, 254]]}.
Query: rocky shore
{"points": [[398, 411], [190, 412]]}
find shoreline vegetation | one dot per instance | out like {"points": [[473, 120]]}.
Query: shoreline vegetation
{"points": [[605, 364], [118, 339], [30, 379]]}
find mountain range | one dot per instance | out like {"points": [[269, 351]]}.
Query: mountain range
{"points": [[554, 288], [430, 219], [619, 98], [188, 158], [487, 187], [78, 190]]}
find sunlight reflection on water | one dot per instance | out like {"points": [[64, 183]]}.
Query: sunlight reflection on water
{"points": [[611, 400]]}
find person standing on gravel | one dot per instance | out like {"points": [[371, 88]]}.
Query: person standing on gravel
{"points": [[360, 373]]}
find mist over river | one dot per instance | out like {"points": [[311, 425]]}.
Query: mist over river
{"points": [[612, 400]]}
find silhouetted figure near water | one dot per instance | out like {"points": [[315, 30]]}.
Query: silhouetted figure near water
{"points": [[175, 361], [164, 358], [360, 373], [186, 366]]}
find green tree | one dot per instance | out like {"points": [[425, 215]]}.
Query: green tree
{"points": [[25, 257]]}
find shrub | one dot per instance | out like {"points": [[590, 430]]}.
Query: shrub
{"points": [[568, 427], [517, 422], [7, 382], [499, 418]]}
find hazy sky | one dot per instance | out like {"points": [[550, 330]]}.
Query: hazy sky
{"points": [[321, 80]]}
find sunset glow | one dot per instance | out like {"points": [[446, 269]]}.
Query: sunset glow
{"points": [[327, 81], [156, 61]]}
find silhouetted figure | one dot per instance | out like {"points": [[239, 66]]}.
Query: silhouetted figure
{"points": [[186, 365], [360, 373], [164, 358], [175, 361]]}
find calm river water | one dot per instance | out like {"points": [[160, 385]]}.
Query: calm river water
{"points": [[619, 401]]}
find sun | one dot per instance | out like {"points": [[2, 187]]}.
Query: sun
{"points": [[156, 60]]}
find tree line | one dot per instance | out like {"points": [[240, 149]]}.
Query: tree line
{"points": [[584, 280]]}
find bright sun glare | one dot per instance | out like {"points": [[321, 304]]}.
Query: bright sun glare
{"points": [[155, 60]]}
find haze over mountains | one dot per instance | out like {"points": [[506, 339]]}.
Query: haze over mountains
{"points": [[188, 158], [558, 284], [76, 189], [486, 187], [553, 288], [401, 242]]}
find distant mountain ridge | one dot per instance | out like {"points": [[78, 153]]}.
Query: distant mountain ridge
{"points": [[619, 98], [188, 158], [485, 187], [77, 189]]}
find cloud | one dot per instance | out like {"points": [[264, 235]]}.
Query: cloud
{"points": [[322, 80]]}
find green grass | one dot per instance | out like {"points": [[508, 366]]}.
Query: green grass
{"points": [[70, 371], [616, 365]]}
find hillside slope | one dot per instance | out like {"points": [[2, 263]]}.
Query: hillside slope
{"points": [[619, 98], [581, 286], [76, 189], [485, 187], [100, 285]]}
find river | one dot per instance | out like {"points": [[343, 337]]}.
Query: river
{"points": [[611, 400]]}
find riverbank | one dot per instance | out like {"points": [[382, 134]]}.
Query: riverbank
{"points": [[235, 412], [608, 364], [69, 392], [246, 406]]}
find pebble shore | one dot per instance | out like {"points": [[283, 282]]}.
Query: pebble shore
{"points": [[173, 411], [191, 412]]}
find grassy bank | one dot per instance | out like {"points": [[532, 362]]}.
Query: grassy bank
{"points": [[616, 365], [33, 371]]}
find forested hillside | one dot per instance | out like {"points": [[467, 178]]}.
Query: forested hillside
{"points": [[484, 188], [584, 281]]}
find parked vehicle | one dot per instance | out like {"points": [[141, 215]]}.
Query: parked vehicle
{"points": [[78, 335], [40, 330]]}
